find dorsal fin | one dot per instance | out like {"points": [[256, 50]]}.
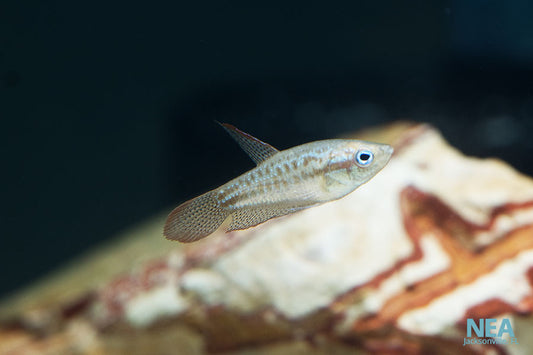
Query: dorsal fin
{"points": [[258, 150]]}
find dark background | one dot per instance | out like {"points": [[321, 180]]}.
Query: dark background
{"points": [[107, 108]]}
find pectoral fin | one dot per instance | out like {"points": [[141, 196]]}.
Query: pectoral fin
{"points": [[258, 150]]}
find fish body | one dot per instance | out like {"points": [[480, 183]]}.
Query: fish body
{"points": [[283, 182]]}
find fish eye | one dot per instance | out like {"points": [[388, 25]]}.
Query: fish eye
{"points": [[364, 157]]}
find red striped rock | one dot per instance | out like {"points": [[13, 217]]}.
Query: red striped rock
{"points": [[396, 267]]}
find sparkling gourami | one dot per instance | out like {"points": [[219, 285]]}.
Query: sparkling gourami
{"points": [[282, 182]]}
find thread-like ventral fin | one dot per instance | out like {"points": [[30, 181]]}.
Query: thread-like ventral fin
{"points": [[258, 150]]}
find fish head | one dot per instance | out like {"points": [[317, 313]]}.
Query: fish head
{"points": [[353, 163]]}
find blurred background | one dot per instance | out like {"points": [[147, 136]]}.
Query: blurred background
{"points": [[107, 108]]}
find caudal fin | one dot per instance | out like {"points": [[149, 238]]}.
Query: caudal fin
{"points": [[195, 219]]}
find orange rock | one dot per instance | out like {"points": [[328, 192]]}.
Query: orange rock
{"points": [[395, 267]]}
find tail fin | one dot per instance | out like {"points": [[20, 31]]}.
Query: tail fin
{"points": [[195, 219]]}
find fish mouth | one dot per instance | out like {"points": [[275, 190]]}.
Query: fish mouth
{"points": [[387, 152], [387, 149]]}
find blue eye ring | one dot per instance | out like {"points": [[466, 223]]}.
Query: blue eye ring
{"points": [[364, 157]]}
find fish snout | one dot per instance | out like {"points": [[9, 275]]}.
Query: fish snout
{"points": [[387, 149]]}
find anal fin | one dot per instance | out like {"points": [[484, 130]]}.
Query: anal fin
{"points": [[249, 217]]}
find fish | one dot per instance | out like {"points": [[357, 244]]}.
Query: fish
{"points": [[283, 182]]}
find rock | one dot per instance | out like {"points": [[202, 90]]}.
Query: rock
{"points": [[398, 266]]}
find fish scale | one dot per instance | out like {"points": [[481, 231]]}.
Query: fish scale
{"points": [[283, 182], [275, 176]]}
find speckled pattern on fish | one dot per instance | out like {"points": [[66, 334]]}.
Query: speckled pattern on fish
{"points": [[283, 182]]}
